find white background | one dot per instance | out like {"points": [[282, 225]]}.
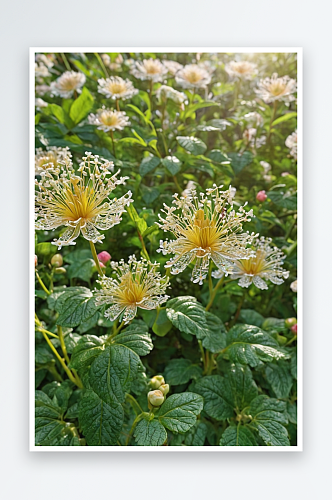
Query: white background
{"points": [[41, 476]]}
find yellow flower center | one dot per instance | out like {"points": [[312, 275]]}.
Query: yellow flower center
{"points": [[151, 67], [204, 234], [117, 88], [255, 265], [131, 291], [193, 76], [77, 203], [277, 88], [108, 119], [69, 84]]}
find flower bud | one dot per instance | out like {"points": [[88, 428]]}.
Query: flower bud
{"points": [[164, 388], [57, 260], [294, 329], [36, 260], [104, 257], [293, 286], [261, 196], [60, 270], [289, 322], [157, 381], [156, 398]]}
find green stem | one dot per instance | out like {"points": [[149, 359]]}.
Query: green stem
{"points": [[144, 250], [210, 279], [137, 419], [291, 341], [101, 64], [273, 115], [47, 332], [113, 145], [177, 185], [150, 93], [201, 348], [66, 63], [117, 105], [62, 343], [42, 284], [214, 293], [95, 258], [134, 404]]}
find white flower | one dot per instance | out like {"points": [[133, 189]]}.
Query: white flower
{"points": [[172, 66], [291, 143], [193, 76], [267, 167], [41, 71], [274, 89], [149, 69], [52, 157], [109, 119], [254, 119], [293, 286], [40, 103], [240, 69], [67, 84], [47, 60], [42, 89], [116, 88], [166, 92]]}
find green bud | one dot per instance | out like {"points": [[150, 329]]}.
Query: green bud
{"points": [[164, 388], [157, 381], [289, 322], [156, 398], [282, 340], [60, 270], [57, 260]]}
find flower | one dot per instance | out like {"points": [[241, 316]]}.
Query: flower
{"points": [[36, 260], [156, 398], [266, 263], [40, 103], [193, 76], [116, 88], [254, 118], [52, 157], [172, 66], [80, 201], [41, 71], [274, 89], [109, 119], [67, 84], [104, 257], [116, 65], [205, 228], [136, 284], [47, 60], [267, 167], [293, 286], [42, 89], [240, 69], [294, 329], [261, 196], [166, 92], [291, 143], [149, 69]]}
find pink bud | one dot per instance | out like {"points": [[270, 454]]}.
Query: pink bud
{"points": [[294, 329], [261, 196], [36, 260], [102, 265], [104, 257], [284, 174]]}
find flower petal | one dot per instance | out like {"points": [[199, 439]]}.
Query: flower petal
{"points": [[68, 236], [180, 263], [245, 281], [260, 283], [90, 233], [129, 314], [114, 311]]}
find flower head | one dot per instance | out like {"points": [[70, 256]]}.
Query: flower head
{"points": [[266, 264], [41, 71], [116, 87], [51, 158], [80, 201], [172, 66], [261, 196], [136, 284], [291, 143], [104, 257], [205, 228], [67, 83], [149, 69], [240, 69], [275, 89], [293, 286], [253, 118], [166, 92], [40, 103], [193, 76], [109, 119]]}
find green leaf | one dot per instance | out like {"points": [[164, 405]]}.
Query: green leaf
{"points": [[240, 160], [187, 315], [268, 415], [43, 355], [217, 156], [139, 221], [280, 379], [285, 117], [57, 111], [180, 371], [150, 433], [237, 436], [150, 194], [199, 105], [251, 317], [215, 338], [284, 200], [112, 373], [162, 324], [294, 365], [243, 387], [249, 344], [75, 306], [101, 423], [136, 338], [217, 396], [82, 269], [178, 413], [148, 164], [196, 435], [87, 349], [192, 145], [172, 163], [81, 106]]}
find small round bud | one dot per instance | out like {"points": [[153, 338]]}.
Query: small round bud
{"points": [[36, 260], [60, 270], [157, 381], [57, 260], [102, 265], [289, 322], [282, 340], [104, 257], [294, 329], [261, 196], [164, 388], [293, 286], [156, 398]]}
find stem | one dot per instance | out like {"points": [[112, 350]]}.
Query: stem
{"points": [[115, 330], [134, 404], [66, 63], [95, 258], [144, 250], [214, 293], [291, 341], [117, 105], [210, 280], [236, 92], [101, 64], [275, 104], [177, 185], [201, 348], [113, 145], [62, 343], [62, 362], [47, 332], [42, 284], [150, 93], [137, 419]]}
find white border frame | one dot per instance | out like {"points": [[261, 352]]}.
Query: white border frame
{"points": [[299, 447]]}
